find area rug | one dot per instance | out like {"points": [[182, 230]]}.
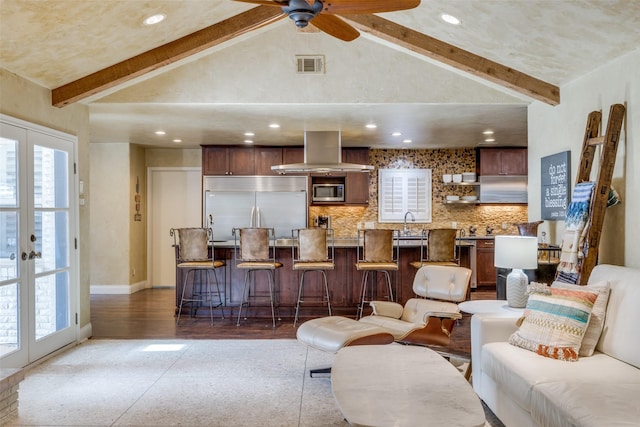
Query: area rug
{"points": [[180, 382]]}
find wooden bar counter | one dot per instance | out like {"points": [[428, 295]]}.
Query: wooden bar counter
{"points": [[344, 281]]}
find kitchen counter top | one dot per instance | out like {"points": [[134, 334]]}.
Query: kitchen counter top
{"points": [[346, 242]]}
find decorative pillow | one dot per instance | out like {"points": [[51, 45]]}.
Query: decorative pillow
{"points": [[596, 322], [553, 325]]}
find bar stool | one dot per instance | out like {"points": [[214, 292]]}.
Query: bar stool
{"points": [[440, 248], [255, 251], [312, 250], [377, 251], [193, 256]]}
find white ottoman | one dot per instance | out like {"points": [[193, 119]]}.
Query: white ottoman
{"points": [[334, 332]]}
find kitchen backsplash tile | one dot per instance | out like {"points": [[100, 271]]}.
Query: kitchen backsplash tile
{"points": [[345, 219]]}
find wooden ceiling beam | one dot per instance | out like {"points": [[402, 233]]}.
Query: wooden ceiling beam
{"points": [[164, 55], [456, 57]]}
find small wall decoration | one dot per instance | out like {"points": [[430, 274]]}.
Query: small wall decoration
{"points": [[137, 216], [555, 188]]}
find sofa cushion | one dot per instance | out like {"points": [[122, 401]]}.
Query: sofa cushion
{"points": [[554, 324], [619, 336], [596, 321], [591, 404], [517, 371]]}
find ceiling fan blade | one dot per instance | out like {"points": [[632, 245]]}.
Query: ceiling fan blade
{"points": [[335, 27], [345, 7], [266, 2]]}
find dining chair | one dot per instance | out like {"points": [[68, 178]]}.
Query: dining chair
{"points": [[193, 257], [312, 250]]}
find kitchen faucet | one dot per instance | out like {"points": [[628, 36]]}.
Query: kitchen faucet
{"points": [[405, 230]]}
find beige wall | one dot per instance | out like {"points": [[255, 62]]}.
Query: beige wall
{"points": [[138, 236], [561, 128], [173, 157], [27, 101], [111, 214]]}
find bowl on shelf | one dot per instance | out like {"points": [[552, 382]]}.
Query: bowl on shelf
{"points": [[457, 177], [470, 198], [453, 198], [468, 177], [447, 178]]}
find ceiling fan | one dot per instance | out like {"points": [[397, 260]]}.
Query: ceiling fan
{"points": [[323, 13]]}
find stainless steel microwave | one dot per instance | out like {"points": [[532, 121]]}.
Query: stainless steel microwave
{"points": [[327, 193]]}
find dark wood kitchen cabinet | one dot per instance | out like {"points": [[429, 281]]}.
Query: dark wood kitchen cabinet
{"points": [[485, 270], [265, 157], [502, 161], [356, 183], [224, 160]]}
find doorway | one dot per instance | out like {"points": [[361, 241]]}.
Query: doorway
{"points": [[38, 253], [174, 201]]}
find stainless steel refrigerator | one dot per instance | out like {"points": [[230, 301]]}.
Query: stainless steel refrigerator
{"points": [[279, 202]]}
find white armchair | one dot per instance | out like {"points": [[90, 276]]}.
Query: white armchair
{"points": [[428, 320]]}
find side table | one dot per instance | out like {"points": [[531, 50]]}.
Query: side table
{"points": [[490, 306]]}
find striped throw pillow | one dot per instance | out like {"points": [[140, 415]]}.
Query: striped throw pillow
{"points": [[553, 325]]}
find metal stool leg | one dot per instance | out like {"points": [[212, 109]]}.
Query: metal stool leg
{"points": [[271, 281], [362, 295], [184, 288], [242, 298], [295, 319], [326, 289], [215, 275], [389, 289]]}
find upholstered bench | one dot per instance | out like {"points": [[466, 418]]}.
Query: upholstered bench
{"points": [[335, 332]]}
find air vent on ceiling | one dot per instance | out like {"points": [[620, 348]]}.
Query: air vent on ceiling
{"points": [[310, 64]]}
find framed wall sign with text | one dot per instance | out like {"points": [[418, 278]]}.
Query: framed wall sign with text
{"points": [[555, 172]]}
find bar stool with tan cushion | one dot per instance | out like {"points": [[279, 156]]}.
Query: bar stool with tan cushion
{"points": [[255, 251], [438, 247], [193, 256], [312, 250], [377, 251]]}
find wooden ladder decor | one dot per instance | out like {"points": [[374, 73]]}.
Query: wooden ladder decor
{"points": [[609, 142]]}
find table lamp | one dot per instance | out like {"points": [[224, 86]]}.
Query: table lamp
{"points": [[518, 253]]}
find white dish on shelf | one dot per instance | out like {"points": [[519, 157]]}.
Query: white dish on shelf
{"points": [[468, 177], [453, 198], [447, 178], [457, 177], [470, 198]]}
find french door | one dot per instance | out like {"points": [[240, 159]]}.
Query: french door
{"points": [[38, 254]]}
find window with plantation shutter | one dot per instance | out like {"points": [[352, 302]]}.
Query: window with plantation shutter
{"points": [[402, 190]]}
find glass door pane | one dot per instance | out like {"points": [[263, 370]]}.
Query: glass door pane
{"points": [[10, 337]]}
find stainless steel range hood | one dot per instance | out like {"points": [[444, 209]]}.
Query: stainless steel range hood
{"points": [[322, 153]]}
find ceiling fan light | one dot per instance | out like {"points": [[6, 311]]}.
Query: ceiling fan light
{"points": [[301, 17]]}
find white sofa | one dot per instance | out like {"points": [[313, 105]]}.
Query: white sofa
{"points": [[525, 389]]}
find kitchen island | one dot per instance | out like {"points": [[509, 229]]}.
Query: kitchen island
{"points": [[344, 281]]}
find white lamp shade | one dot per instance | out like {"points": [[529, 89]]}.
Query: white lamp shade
{"points": [[516, 252]]}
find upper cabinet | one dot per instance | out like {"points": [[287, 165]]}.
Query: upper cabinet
{"points": [[265, 157], [231, 160], [502, 161], [222, 160], [356, 183]]}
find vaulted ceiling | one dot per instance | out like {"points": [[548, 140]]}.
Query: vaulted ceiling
{"points": [[215, 69]]}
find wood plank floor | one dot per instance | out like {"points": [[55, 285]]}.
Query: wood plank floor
{"points": [[150, 314]]}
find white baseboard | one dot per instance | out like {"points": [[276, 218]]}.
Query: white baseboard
{"points": [[117, 289]]}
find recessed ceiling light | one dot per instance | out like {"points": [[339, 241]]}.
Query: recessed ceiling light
{"points": [[248, 141], [154, 19], [160, 132], [177, 141], [489, 140], [450, 19], [487, 132], [371, 126], [274, 126], [249, 134], [407, 141], [396, 134]]}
